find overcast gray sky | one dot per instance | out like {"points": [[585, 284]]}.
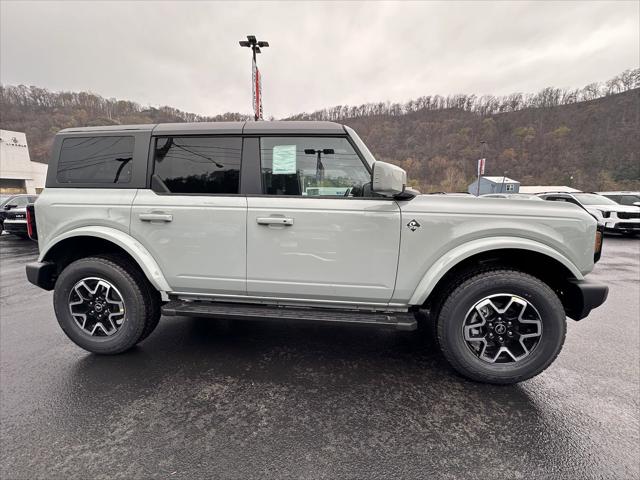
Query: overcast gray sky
{"points": [[186, 54]]}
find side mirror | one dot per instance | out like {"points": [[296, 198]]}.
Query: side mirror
{"points": [[388, 180], [10, 206]]}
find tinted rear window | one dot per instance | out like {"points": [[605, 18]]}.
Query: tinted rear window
{"points": [[206, 165], [96, 160]]}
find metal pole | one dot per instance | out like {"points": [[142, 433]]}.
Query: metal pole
{"points": [[256, 113], [484, 155]]}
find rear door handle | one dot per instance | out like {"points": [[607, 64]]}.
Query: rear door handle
{"points": [[274, 221], [155, 217]]}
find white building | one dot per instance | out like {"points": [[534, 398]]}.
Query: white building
{"points": [[494, 185], [18, 174]]}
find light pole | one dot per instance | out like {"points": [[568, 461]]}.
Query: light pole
{"points": [[255, 46], [484, 159], [319, 165]]}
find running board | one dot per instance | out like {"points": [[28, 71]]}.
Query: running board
{"points": [[236, 311]]}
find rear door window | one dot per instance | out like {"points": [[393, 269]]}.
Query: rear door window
{"points": [[97, 160], [197, 165]]}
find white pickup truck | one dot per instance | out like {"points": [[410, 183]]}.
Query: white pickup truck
{"points": [[298, 221]]}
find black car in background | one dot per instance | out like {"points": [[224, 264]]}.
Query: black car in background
{"points": [[13, 214]]}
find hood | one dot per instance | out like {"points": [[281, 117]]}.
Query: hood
{"points": [[21, 210], [493, 206], [614, 208]]}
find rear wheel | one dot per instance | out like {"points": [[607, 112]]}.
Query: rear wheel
{"points": [[104, 305], [502, 327], [152, 295]]}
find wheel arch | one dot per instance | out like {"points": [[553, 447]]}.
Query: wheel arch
{"points": [[528, 256], [87, 241]]}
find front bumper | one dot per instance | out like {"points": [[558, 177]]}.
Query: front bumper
{"points": [[42, 274], [583, 296], [15, 226], [622, 226]]}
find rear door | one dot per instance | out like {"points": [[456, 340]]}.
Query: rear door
{"points": [[193, 219], [314, 234]]}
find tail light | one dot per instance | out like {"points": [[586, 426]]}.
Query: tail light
{"points": [[32, 229]]}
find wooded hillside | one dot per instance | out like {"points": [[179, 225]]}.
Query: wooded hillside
{"points": [[586, 138], [595, 142]]}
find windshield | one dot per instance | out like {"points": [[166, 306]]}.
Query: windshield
{"points": [[368, 156], [593, 199], [624, 199]]}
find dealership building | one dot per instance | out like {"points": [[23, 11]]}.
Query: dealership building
{"points": [[18, 174]]}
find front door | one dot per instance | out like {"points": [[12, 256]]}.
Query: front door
{"points": [[193, 220], [313, 234]]}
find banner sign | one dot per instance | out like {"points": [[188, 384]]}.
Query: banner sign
{"points": [[257, 92], [481, 166]]}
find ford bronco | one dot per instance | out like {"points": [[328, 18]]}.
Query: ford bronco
{"points": [[298, 221]]}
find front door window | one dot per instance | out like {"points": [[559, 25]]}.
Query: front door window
{"points": [[312, 166]]}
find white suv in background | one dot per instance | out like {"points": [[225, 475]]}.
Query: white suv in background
{"points": [[614, 217]]}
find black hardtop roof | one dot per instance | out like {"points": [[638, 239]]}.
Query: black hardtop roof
{"points": [[280, 127]]}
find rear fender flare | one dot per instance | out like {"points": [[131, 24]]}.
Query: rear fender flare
{"points": [[123, 240]]}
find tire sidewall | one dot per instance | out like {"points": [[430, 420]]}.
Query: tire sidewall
{"points": [[130, 331], [537, 294]]}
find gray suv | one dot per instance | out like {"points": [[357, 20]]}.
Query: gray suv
{"points": [[298, 221]]}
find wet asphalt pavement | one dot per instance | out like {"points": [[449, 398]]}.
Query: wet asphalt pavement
{"points": [[209, 399]]}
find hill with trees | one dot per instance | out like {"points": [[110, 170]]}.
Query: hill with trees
{"points": [[587, 138]]}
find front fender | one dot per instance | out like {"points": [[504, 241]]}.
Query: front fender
{"points": [[466, 250], [129, 244]]}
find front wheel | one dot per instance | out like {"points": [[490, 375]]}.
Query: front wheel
{"points": [[501, 327]]}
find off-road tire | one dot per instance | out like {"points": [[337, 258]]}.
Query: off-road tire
{"points": [[454, 310], [139, 304], [429, 319], [154, 302]]}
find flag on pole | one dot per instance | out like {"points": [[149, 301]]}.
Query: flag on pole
{"points": [[257, 92], [481, 166]]}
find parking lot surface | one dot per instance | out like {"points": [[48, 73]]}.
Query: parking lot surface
{"points": [[219, 399]]}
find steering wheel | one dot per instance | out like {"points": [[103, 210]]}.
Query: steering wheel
{"points": [[348, 191]]}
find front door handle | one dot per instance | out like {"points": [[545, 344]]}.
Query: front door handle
{"points": [[155, 217], [274, 221]]}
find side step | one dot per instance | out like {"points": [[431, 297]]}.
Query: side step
{"points": [[238, 311]]}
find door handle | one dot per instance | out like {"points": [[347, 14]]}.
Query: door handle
{"points": [[274, 221], [155, 217]]}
